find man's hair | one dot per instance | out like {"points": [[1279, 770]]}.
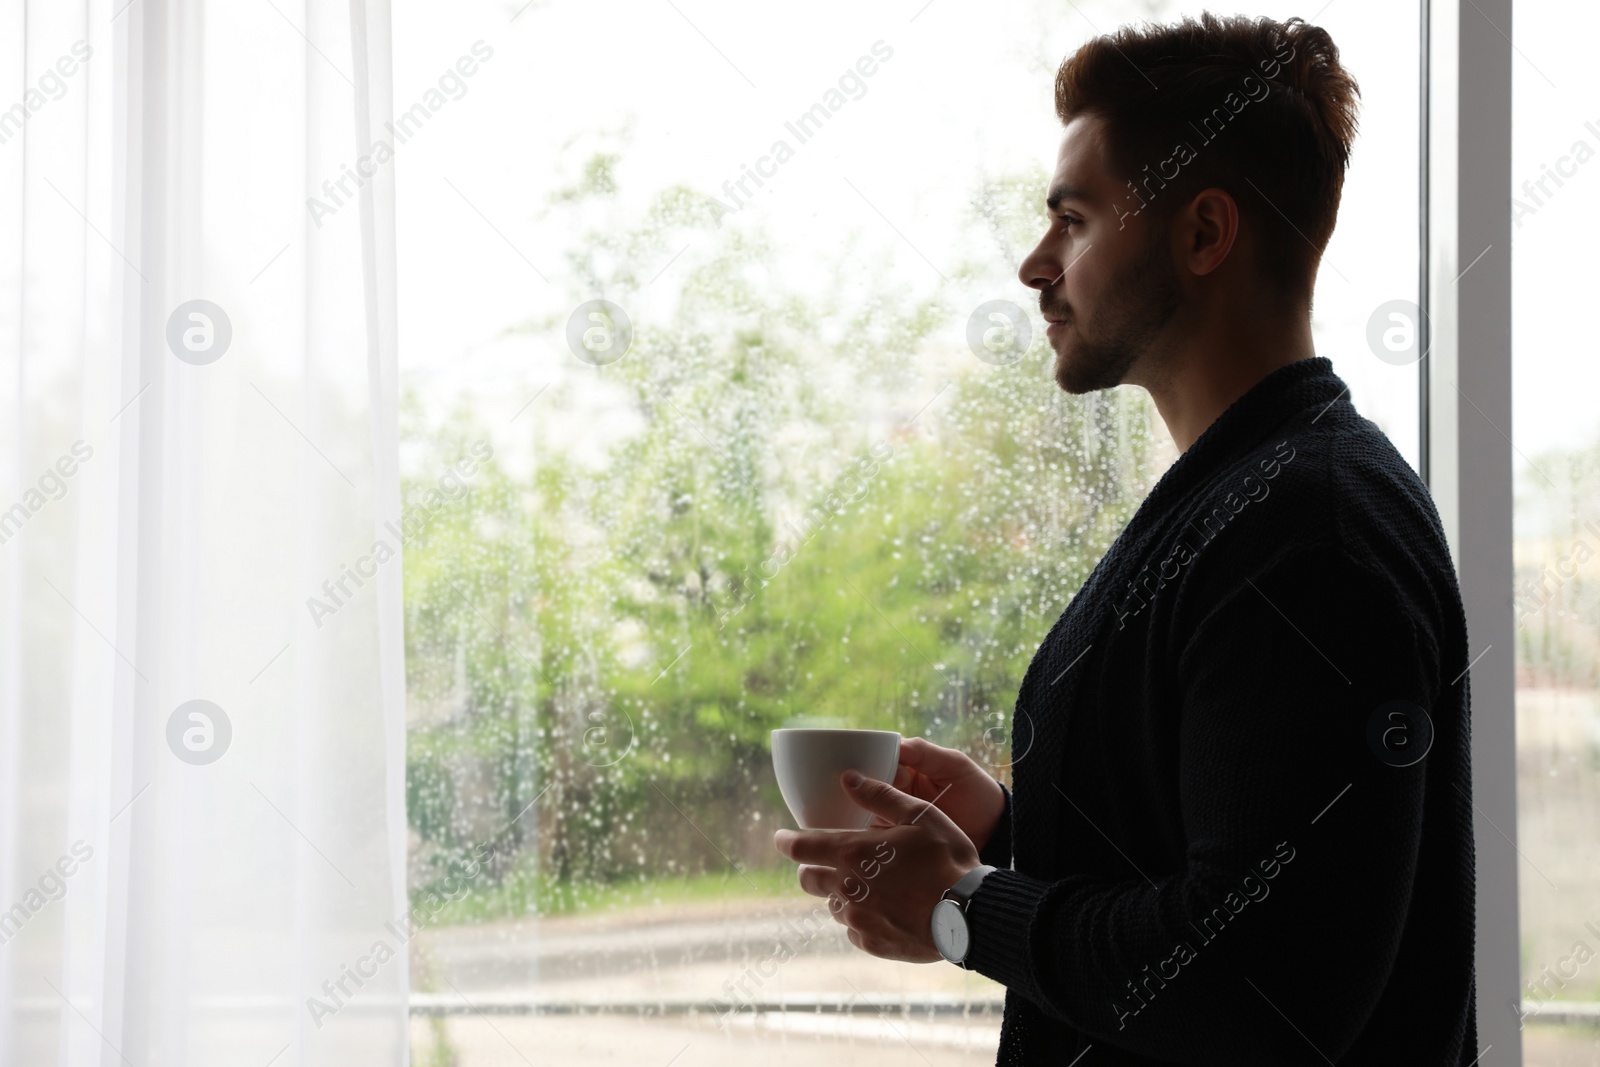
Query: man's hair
{"points": [[1263, 107]]}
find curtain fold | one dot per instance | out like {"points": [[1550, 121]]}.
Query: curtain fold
{"points": [[202, 719]]}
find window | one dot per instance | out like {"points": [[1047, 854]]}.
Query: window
{"points": [[719, 307], [1557, 524]]}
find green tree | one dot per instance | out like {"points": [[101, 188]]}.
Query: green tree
{"points": [[616, 640]]}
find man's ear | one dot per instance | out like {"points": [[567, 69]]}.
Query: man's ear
{"points": [[1211, 224]]}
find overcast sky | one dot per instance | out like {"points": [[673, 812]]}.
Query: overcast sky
{"points": [[705, 86]]}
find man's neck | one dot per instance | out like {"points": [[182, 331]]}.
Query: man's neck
{"points": [[1200, 380]]}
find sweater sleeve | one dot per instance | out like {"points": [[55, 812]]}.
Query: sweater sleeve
{"points": [[1273, 939], [996, 852]]}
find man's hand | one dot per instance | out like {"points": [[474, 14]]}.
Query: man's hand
{"points": [[954, 782], [883, 882]]}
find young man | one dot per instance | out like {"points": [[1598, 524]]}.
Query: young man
{"points": [[1239, 828]]}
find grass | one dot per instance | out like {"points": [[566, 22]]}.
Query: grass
{"points": [[526, 893], [439, 1052]]}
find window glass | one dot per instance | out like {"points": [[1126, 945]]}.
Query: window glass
{"points": [[725, 410], [1556, 435]]}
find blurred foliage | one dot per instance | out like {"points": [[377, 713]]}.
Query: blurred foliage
{"points": [[526, 890], [597, 652]]}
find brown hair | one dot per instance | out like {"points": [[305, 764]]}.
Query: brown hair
{"points": [[1257, 107]]}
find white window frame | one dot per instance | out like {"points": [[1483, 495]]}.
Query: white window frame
{"points": [[1465, 393], [1465, 452]]}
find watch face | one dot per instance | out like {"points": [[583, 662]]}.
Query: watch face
{"points": [[950, 931]]}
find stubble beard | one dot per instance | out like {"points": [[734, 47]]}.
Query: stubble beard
{"points": [[1143, 299]]}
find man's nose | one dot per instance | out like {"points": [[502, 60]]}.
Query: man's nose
{"points": [[1035, 271]]}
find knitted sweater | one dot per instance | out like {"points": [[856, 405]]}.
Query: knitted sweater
{"points": [[1230, 838]]}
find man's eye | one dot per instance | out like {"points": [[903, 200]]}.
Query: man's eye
{"points": [[1067, 221]]}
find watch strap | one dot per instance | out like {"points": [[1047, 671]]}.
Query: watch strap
{"points": [[967, 885]]}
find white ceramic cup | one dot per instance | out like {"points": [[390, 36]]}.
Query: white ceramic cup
{"points": [[808, 763]]}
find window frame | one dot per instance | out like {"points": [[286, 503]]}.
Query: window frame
{"points": [[1464, 423], [1465, 451]]}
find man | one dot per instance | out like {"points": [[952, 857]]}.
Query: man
{"points": [[1239, 827]]}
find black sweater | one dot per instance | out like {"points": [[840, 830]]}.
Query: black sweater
{"points": [[1232, 841]]}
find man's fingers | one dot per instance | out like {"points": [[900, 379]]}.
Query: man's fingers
{"points": [[812, 846], [910, 780], [883, 799], [817, 880], [934, 761], [915, 751]]}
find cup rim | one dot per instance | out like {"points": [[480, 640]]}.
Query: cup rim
{"points": [[830, 730]]}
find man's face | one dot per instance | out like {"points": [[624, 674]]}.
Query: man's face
{"points": [[1106, 279]]}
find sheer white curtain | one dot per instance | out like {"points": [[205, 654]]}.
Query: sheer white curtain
{"points": [[193, 497]]}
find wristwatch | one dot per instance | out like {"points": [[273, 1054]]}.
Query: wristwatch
{"points": [[951, 935]]}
